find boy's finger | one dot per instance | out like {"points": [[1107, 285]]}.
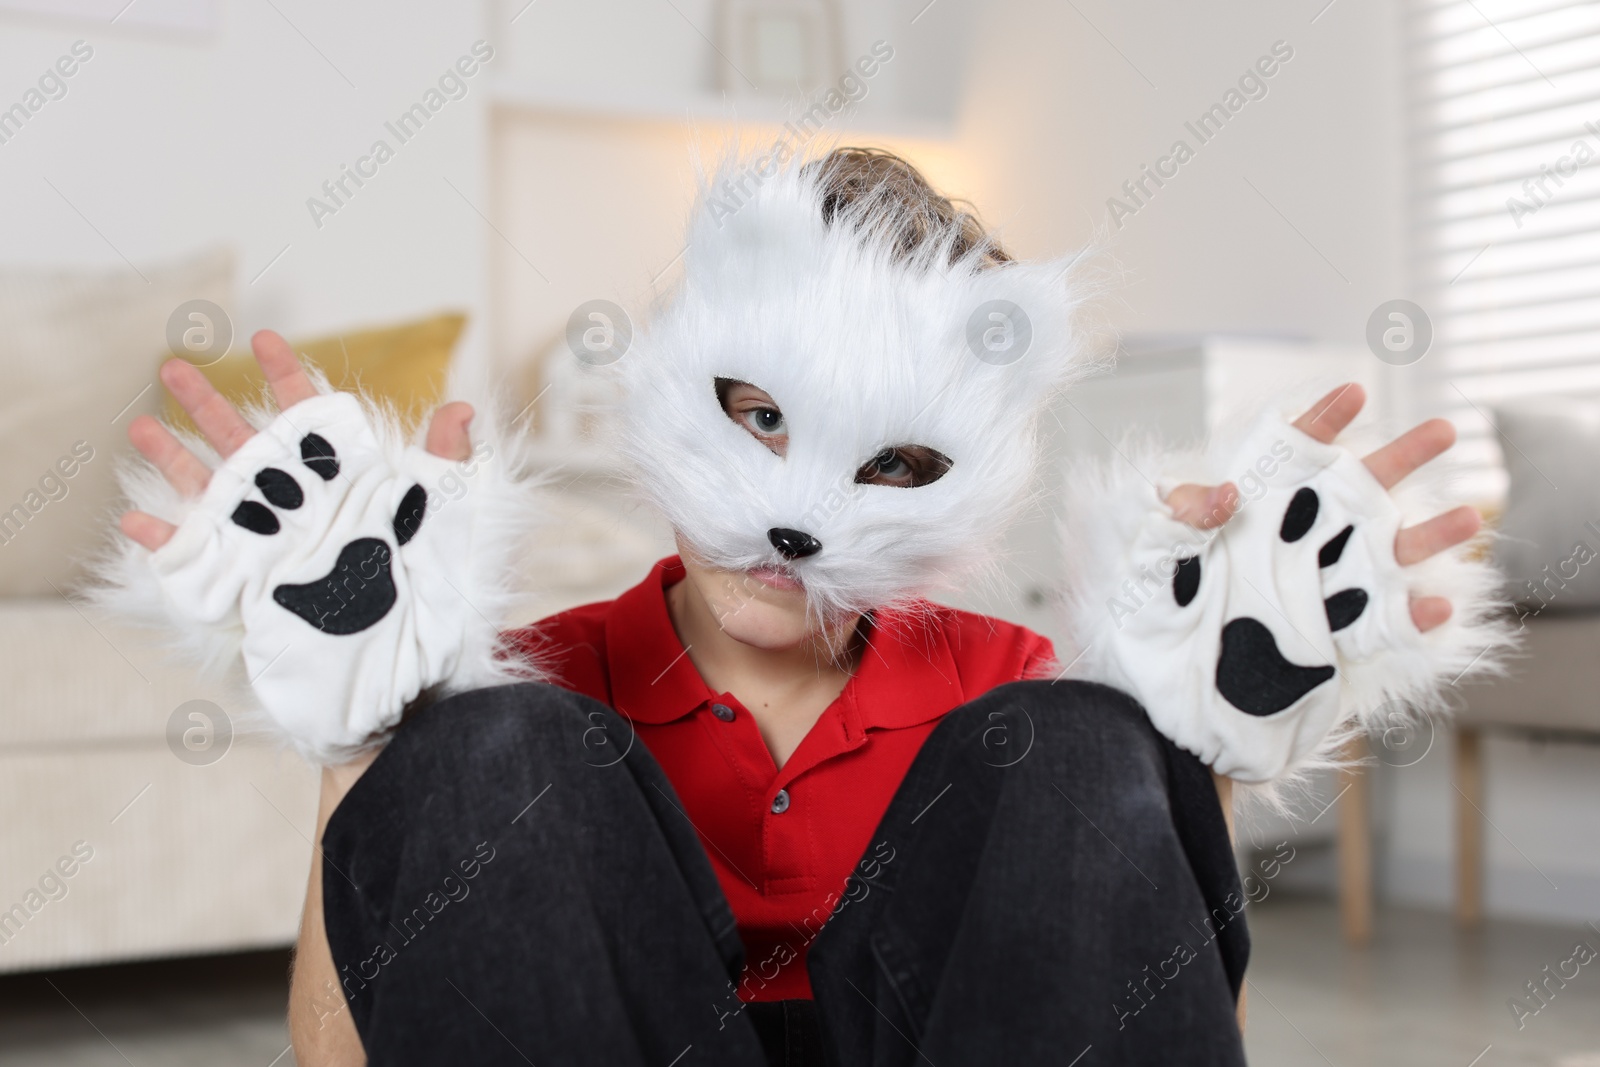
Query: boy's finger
{"points": [[1428, 612], [1328, 417], [1204, 507], [1410, 450], [282, 368], [1416, 543], [222, 426], [447, 432], [182, 469], [146, 530]]}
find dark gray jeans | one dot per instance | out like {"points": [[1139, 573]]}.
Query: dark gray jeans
{"points": [[514, 881]]}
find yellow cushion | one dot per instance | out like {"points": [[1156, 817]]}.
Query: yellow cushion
{"points": [[406, 365]]}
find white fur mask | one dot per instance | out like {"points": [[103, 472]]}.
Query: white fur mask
{"points": [[862, 347]]}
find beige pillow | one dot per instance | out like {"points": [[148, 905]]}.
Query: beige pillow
{"points": [[78, 357], [406, 365]]}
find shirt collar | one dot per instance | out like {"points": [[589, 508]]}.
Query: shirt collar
{"points": [[652, 679], [907, 674]]}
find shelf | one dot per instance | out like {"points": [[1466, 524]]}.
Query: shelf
{"points": [[638, 105]]}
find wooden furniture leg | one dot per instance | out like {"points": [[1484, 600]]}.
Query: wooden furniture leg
{"points": [[1469, 825], [1355, 847]]}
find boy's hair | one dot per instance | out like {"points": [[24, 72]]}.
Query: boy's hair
{"points": [[876, 189]]}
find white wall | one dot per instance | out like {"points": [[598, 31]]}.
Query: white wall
{"points": [[1062, 120], [169, 143]]}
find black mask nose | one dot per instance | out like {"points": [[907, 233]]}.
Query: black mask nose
{"points": [[792, 543]]}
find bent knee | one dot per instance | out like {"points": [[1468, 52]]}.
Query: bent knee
{"points": [[1061, 728], [526, 719], [469, 752]]}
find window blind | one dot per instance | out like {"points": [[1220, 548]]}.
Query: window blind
{"points": [[1504, 119]]}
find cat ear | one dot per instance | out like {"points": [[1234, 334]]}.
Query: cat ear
{"points": [[1022, 325], [747, 218]]}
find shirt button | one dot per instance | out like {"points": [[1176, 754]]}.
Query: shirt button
{"points": [[723, 712], [780, 803]]}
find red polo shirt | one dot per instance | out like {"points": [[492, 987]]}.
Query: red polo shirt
{"points": [[783, 842]]}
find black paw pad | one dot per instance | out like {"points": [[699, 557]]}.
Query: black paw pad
{"points": [[1345, 607], [318, 454], [1334, 549], [255, 517], [1254, 676], [280, 490], [1186, 582], [356, 594], [1301, 514], [408, 516]]}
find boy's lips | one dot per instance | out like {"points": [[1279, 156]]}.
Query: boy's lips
{"points": [[777, 577]]}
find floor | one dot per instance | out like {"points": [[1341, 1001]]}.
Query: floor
{"points": [[209, 1012], [1421, 995]]}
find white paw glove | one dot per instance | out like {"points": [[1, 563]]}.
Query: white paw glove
{"points": [[1250, 644], [351, 571]]}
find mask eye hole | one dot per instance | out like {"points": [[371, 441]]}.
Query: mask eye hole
{"points": [[754, 411], [906, 466]]}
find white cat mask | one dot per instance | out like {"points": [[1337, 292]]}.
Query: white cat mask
{"points": [[865, 340]]}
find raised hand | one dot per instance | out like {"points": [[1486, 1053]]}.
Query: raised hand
{"points": [[336, 569], [1207, 507], [225, 429]]}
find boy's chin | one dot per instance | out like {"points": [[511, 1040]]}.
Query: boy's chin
{"points": [[772, 627], [757, 613]]}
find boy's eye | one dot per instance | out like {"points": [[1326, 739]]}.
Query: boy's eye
{"points": [[890, 465], [752, 408], [766, 421], [907, 466]]}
